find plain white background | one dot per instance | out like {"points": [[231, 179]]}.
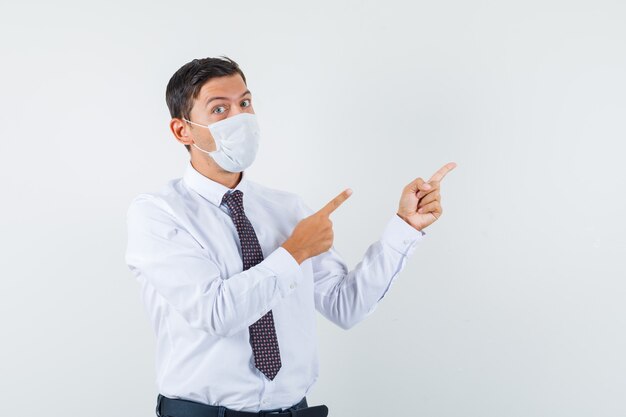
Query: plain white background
{"points": [[512, 306]]}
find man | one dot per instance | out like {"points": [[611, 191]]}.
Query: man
{"points": [[232, 271]]}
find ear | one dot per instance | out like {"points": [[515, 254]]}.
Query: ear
{"points": [[181, 131]]}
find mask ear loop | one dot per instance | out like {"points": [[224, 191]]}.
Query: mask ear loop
{"points": [[217, 145], [193, 123]]}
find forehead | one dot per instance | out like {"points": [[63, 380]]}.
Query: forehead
{"points": [[230, 86]]}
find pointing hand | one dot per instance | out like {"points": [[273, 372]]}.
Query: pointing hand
{"points": [[420, 202], [314, 234]]}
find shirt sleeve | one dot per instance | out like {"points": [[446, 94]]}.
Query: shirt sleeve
{"points": [[165, 255], [346, 297]]}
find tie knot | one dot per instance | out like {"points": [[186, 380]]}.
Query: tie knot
{"points": [[234, 201]]}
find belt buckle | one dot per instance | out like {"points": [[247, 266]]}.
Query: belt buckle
{"points": [[269, 413]]}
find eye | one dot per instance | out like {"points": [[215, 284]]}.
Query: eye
{"points": [[246, 103], [219, 109]]}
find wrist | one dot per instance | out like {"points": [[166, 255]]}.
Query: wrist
{"points": [[298, 254]]}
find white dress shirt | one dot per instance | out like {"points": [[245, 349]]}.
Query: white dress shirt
{"points": [[184, 251]]}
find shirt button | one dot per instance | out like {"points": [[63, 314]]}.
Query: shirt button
{"points": [[406, 241], [293, 285]]}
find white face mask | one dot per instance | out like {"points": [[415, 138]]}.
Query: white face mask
{"points": [[236, 139]]}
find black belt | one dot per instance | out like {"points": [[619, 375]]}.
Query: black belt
{"points": [[174, 407]]}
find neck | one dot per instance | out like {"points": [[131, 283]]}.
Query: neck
{"points": [[207, 167]]}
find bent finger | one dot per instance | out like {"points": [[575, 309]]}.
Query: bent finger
{"points": [[421, 194], [428, 198], [433, 206]]}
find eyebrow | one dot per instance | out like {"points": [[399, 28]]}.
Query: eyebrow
{"points": [[225, 98]]}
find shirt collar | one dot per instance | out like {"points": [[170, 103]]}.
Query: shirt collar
{"points": [[211, 190]]}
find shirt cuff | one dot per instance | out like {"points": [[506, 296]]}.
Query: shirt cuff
{"points": [[401, 236], [286, 269]]}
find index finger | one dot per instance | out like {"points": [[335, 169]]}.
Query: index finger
{"points": [[438, 176], [335, 202]]}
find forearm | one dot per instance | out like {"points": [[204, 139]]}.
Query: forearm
{"points": [[347, 297]]}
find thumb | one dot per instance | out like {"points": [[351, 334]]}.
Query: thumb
{"points": [[417, 185]]}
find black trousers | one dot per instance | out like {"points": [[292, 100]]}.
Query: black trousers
{"points": [[168, 407]]}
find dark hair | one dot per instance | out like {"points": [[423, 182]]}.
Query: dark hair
{"points": [[184, 86]]}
